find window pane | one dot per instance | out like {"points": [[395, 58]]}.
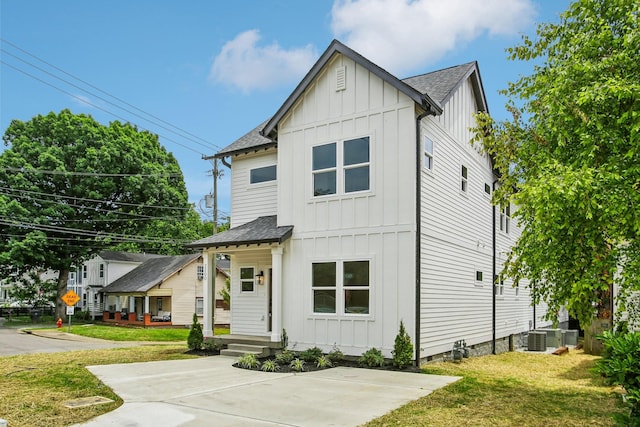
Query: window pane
{"points": [[247, 286], [356, 273], [428, 145], [324, 156], [324, 301], [324, 183], [324, 274], [464, 172], [356, 151], [246, 273], [356, 301], [265, 174], [356, 179]]}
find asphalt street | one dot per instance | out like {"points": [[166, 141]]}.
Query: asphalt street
{"points": [[15, 341]]}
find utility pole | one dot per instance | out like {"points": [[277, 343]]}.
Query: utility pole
{"points": [[216, 174]]}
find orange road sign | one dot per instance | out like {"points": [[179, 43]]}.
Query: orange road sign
{"points": [[70, 298]]}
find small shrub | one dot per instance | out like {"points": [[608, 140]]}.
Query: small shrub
{"points": [[402, 349], [311, 354], [195, 338], [249, 361], [620, 364], [323, 362], [284, 357], [270, 366], [211, 346], [335, 355], [297, 365], [371, 358]]}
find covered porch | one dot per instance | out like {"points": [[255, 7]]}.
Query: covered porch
{"points": [[138, 310], [256, 250]]}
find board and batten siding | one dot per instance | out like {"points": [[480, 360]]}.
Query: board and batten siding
{"points": [[376, 225], [250, 201]]}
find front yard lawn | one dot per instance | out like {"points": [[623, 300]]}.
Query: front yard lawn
{"points": [[117, 333], [514, 389]]}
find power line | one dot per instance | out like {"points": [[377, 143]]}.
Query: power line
{"points": [[208, 144], [70, 173], [92, 104], [82, 199]]}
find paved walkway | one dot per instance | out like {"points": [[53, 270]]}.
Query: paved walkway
{"points": [[209, 391]]}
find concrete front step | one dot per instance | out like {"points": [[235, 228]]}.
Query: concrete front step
{"points": [[242, 349]]}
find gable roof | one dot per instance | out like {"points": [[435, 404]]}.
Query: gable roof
{"points": [[150, 273], [430, 90], [264, 229], [337, 47], [442, 84], [126, 256]]}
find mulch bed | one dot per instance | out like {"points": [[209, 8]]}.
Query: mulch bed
{"points": [[311, 367]]}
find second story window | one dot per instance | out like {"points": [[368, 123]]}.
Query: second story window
{"points": [[428, 153], [101, 274], [464, 178], [264, 174], [505, 218], [341, 167]]}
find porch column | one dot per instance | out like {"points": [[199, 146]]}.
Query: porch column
{"points": [[132, 304], [208, 293], [276, 289], [118, 303], [146, 304]]}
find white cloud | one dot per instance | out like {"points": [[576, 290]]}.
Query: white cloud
{"points": [[83, 101], [400, 35], [248, 66]]}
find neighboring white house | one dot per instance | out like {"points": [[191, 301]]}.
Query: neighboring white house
{"points": [[362, 203]]}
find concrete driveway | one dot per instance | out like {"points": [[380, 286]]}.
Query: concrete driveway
{"points": [[209, 391]]}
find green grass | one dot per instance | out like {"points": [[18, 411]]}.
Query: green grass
{"points": [[118, 333], [36, 386], [520, 389]]}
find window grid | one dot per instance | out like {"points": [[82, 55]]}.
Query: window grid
{"points": [[463, 178], [341, 167], [247, 279], [505, 218], [342, 287], [428, 153]]}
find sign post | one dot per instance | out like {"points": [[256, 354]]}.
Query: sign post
{"points": [[70, 298]]}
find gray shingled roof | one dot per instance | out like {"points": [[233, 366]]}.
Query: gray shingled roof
{"points": [[126, 256], [252, 140], [442, 83], [149, 274], [262, 230]]}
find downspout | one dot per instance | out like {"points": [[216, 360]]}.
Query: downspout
{"points": [[493, 287], [418, 229]]}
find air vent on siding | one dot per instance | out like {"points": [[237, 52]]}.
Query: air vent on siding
{"points": [[341, 78]]}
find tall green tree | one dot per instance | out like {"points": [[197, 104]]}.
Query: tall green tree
{"points": [[71, 187], [570, 158]]}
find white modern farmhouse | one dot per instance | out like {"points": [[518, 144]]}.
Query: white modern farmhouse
{"points": [[362, 203]]}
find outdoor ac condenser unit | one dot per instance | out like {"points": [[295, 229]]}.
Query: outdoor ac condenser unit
{"points": [[570, 337], [537, 341]]}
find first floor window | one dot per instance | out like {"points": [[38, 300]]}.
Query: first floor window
{"points": [[247, 281], [199, 306], [341, 287]]}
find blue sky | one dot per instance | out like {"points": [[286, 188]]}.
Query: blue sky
{"points": [[217, 69]]}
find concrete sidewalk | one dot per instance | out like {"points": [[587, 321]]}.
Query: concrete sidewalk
{"points": [[209, 391]]}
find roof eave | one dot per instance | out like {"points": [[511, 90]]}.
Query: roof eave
{"points": [[239, 151]]}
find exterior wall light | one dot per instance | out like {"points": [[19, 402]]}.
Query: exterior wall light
{"points": [[260, 278]]}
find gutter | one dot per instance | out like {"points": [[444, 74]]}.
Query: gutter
{"points": [[494, 270], [428, 112]]}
